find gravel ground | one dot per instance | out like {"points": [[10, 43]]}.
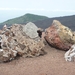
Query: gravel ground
{"points": [[52, 63]]}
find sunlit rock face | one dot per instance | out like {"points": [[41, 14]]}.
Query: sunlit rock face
{"points": [[59, 36]]}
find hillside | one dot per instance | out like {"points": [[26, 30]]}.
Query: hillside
{"points": [[41, 21], [68, 21], [23, 19]]}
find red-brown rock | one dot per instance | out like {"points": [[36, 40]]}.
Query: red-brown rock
{"points": [[59, 36]]}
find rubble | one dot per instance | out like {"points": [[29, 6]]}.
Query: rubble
{"points": [[15, 41], [59, 36]]}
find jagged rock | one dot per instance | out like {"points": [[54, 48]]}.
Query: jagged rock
{"points": [[70, 54], [28, 45], [59, 36], [14, 41]]}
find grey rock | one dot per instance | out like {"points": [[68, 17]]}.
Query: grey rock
{"points": [[31, 30]]}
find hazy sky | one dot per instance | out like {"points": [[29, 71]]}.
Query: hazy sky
{"points": [[52, 8]]}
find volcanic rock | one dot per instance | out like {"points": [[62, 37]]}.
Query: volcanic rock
{"points": [[26, 43], [59, 36], [14, 41]]}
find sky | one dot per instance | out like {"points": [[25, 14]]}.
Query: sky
{"points": [[51, 8]]}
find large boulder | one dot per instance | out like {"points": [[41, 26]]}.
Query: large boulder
{"points": [[59, 36], [14, 41], [29, 47]]}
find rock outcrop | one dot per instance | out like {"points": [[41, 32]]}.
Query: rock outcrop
{"points": [[15, 41], [59, 36]]}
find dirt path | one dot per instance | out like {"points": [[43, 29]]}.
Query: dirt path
{"points": [[53, 63]]}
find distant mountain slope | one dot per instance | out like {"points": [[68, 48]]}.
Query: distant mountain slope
{"points": [[68, 21], [42, 21], [24, 19]]}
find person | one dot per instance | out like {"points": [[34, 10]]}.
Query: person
{"points": [[40, 32]]}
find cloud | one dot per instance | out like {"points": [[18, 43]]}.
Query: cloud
{"points": [[23, 9], [60, 10], [39, 9], [11, 9]]}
